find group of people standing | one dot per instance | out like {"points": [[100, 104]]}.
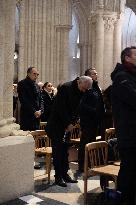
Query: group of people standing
{"points": [[77, 99], [82, 99]]}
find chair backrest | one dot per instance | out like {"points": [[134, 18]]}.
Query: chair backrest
{"points": [[41, 138], [43, 125], [75, 132], [109, 134], [96, 154]]}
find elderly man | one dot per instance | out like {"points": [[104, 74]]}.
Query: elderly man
{"points": [[31, 101], [124, 114], [63, 116]]}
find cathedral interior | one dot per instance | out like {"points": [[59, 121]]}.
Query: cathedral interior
{"points": [[61, 38]]}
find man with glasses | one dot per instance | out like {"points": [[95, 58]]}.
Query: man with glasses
{"points": [[31, 101]]}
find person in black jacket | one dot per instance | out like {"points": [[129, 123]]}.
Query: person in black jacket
{"points": [[48, 98], [108, 120], [31, 101], [89, 113], [63, 116], [91, 72], [124, 114]]}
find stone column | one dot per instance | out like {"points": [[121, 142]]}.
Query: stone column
{"points": [[2, 32], [99, 49], [44, 31], [84, 56], [90, 43], [9, 46], [62, 53], [117, 40], [109, 21], [16, 170]]}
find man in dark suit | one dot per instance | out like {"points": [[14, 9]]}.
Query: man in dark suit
{"points": [[63, 116], [91, 72], [31, 101]]}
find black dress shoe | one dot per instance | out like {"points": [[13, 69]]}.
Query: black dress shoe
{"points": [[68, 179], [37, 166], [60, 182]]}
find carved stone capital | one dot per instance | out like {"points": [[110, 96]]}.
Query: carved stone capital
{"points": [[109, 22]]}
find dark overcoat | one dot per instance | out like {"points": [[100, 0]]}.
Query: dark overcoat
{"points": [[48, 101], [31, 101], [64, 110], [124, 106]]}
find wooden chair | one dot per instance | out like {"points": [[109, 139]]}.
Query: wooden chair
{"points": [[75, 135], [43, 147], [96, 154], [109, 134], [43, 125]]}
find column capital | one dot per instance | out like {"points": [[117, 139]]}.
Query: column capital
{"points": [[95, 17], [109, 21]]}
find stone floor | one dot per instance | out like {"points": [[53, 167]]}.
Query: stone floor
{"points": [[52, 194]]}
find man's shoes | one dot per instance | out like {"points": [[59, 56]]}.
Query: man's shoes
{"points": [[60, 182], [37, 166], [68, 179]]}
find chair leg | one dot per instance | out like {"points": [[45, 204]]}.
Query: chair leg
{"points": [[85, 191], [115, 182], [48, 166]]}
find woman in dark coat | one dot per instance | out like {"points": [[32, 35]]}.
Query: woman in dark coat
{"points": [[48, 98]]}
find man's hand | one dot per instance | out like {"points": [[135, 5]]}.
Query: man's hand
{"points": [[69, 128], [37, 114]]}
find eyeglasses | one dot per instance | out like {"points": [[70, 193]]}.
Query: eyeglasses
{"points": [[49, 85], [36, 74], [94, 74]]}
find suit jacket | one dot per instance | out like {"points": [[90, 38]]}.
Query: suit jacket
{"points": [[31, 101]]}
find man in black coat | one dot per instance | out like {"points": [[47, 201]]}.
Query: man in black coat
{"points": [[31, 101], [124, 114], [91, 72], [63, 116], [90, 114]]}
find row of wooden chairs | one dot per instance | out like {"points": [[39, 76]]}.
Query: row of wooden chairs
{"points": [[96, 155], [76, 133]]}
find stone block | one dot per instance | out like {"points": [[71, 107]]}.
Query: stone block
{"points": [[16, 167]]}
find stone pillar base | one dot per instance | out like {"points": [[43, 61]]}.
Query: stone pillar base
{"points": [[16, 167]]}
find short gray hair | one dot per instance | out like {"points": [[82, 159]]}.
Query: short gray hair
{"points": [[85, 78]]}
